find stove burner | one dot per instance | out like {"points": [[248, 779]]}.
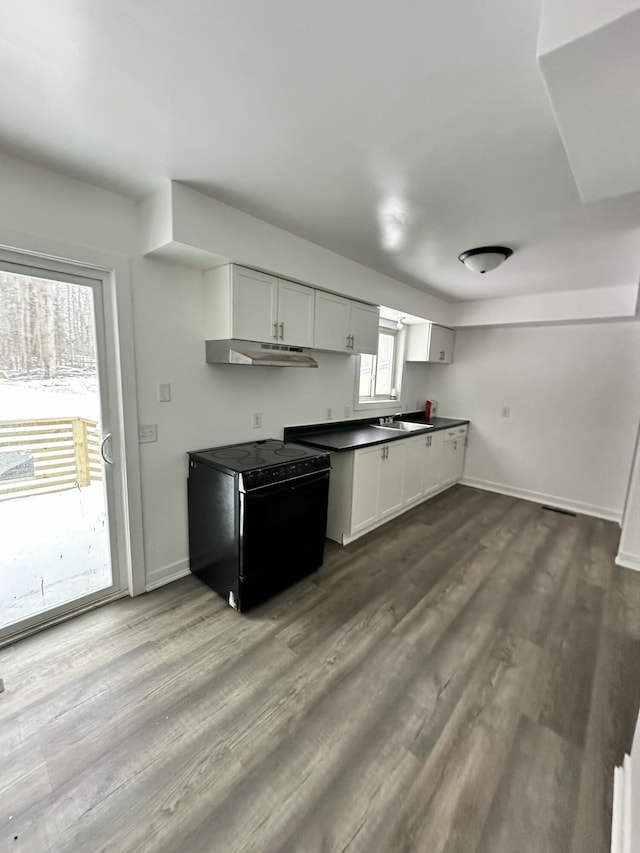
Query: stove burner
{"points": [[231, 453], [288, 451], [251, 456]]}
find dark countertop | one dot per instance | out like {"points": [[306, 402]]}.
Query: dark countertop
{"points": [[352, 435]]}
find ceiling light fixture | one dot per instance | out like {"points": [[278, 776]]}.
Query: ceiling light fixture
{"points": [[485, 258]]}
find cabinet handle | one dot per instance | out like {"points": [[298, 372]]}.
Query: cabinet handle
{"points": [[441, 355], [282, 331], [275, 331], [353, 341]]}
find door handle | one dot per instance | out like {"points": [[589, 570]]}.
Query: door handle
{"points": [[106, 449]]}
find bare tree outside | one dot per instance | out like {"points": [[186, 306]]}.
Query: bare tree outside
{"points": [[46, 328]]}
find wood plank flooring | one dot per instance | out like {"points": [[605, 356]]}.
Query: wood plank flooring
{"points": [[463, 679]]}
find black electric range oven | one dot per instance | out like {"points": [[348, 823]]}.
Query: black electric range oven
{"points": [[257, 517]]}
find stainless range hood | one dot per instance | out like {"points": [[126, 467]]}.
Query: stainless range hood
{"points": [[250, 352]]}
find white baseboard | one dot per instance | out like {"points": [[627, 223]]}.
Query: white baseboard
{"points": [[628, 561], [540, 498], [167, 574]]}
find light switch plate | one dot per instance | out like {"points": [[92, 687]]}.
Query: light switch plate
{"points": [[164, 392]]}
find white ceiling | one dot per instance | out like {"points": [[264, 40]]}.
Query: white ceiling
{"points": [[327, 119]]}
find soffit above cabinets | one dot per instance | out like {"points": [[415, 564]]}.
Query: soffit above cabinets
{"points": [[589, 54], [396, 135]]}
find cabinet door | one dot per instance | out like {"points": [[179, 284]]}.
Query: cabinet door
{"points": [[255, 301], [364, 328], [450, 462], [332, 322], [296, 310], [392, 478], [417, 347], [433, 463], [441, 344], [460, 450], [416, 449], [366, 485]]}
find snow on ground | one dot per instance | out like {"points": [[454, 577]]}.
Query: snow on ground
{"points": [[53, 547], [73, 397]]}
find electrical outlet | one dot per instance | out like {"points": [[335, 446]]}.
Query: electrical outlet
{"points": [[329, 413], [147, 433], [347, 411], [257, 420], [164, 392], [505, 412]]}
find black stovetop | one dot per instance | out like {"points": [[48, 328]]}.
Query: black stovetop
{"points": [[254, 455]]}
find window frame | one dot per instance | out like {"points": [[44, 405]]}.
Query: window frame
{"points": [[383, 401]]}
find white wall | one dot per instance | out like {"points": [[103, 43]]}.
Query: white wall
{"points": [[182, 224], [574, 394], [588, 372], [45, 212], [212, 404]]}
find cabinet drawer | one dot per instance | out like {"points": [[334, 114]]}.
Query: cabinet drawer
{"points": [[455, 432]]}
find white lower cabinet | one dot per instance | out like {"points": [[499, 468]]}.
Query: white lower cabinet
{"points": [[432, 464], [414, 468], [378, 474], [371, 485], [392, 466], [366, 486], [454, 443]]}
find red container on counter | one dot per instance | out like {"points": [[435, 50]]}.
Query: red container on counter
{"points": [[427, 409]]}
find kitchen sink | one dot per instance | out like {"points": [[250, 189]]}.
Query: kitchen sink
{"points": [[405, 426]]}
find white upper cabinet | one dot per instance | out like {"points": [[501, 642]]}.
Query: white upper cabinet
{"points": [[364, 328], [429, 342], [253, 306], [296, 310], [333, 322], [343, 325]]}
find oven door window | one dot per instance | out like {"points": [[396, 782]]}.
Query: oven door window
{"points": [[283, 527]]}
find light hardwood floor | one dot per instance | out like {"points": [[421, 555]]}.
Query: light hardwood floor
{"points": [[463, 679]]}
